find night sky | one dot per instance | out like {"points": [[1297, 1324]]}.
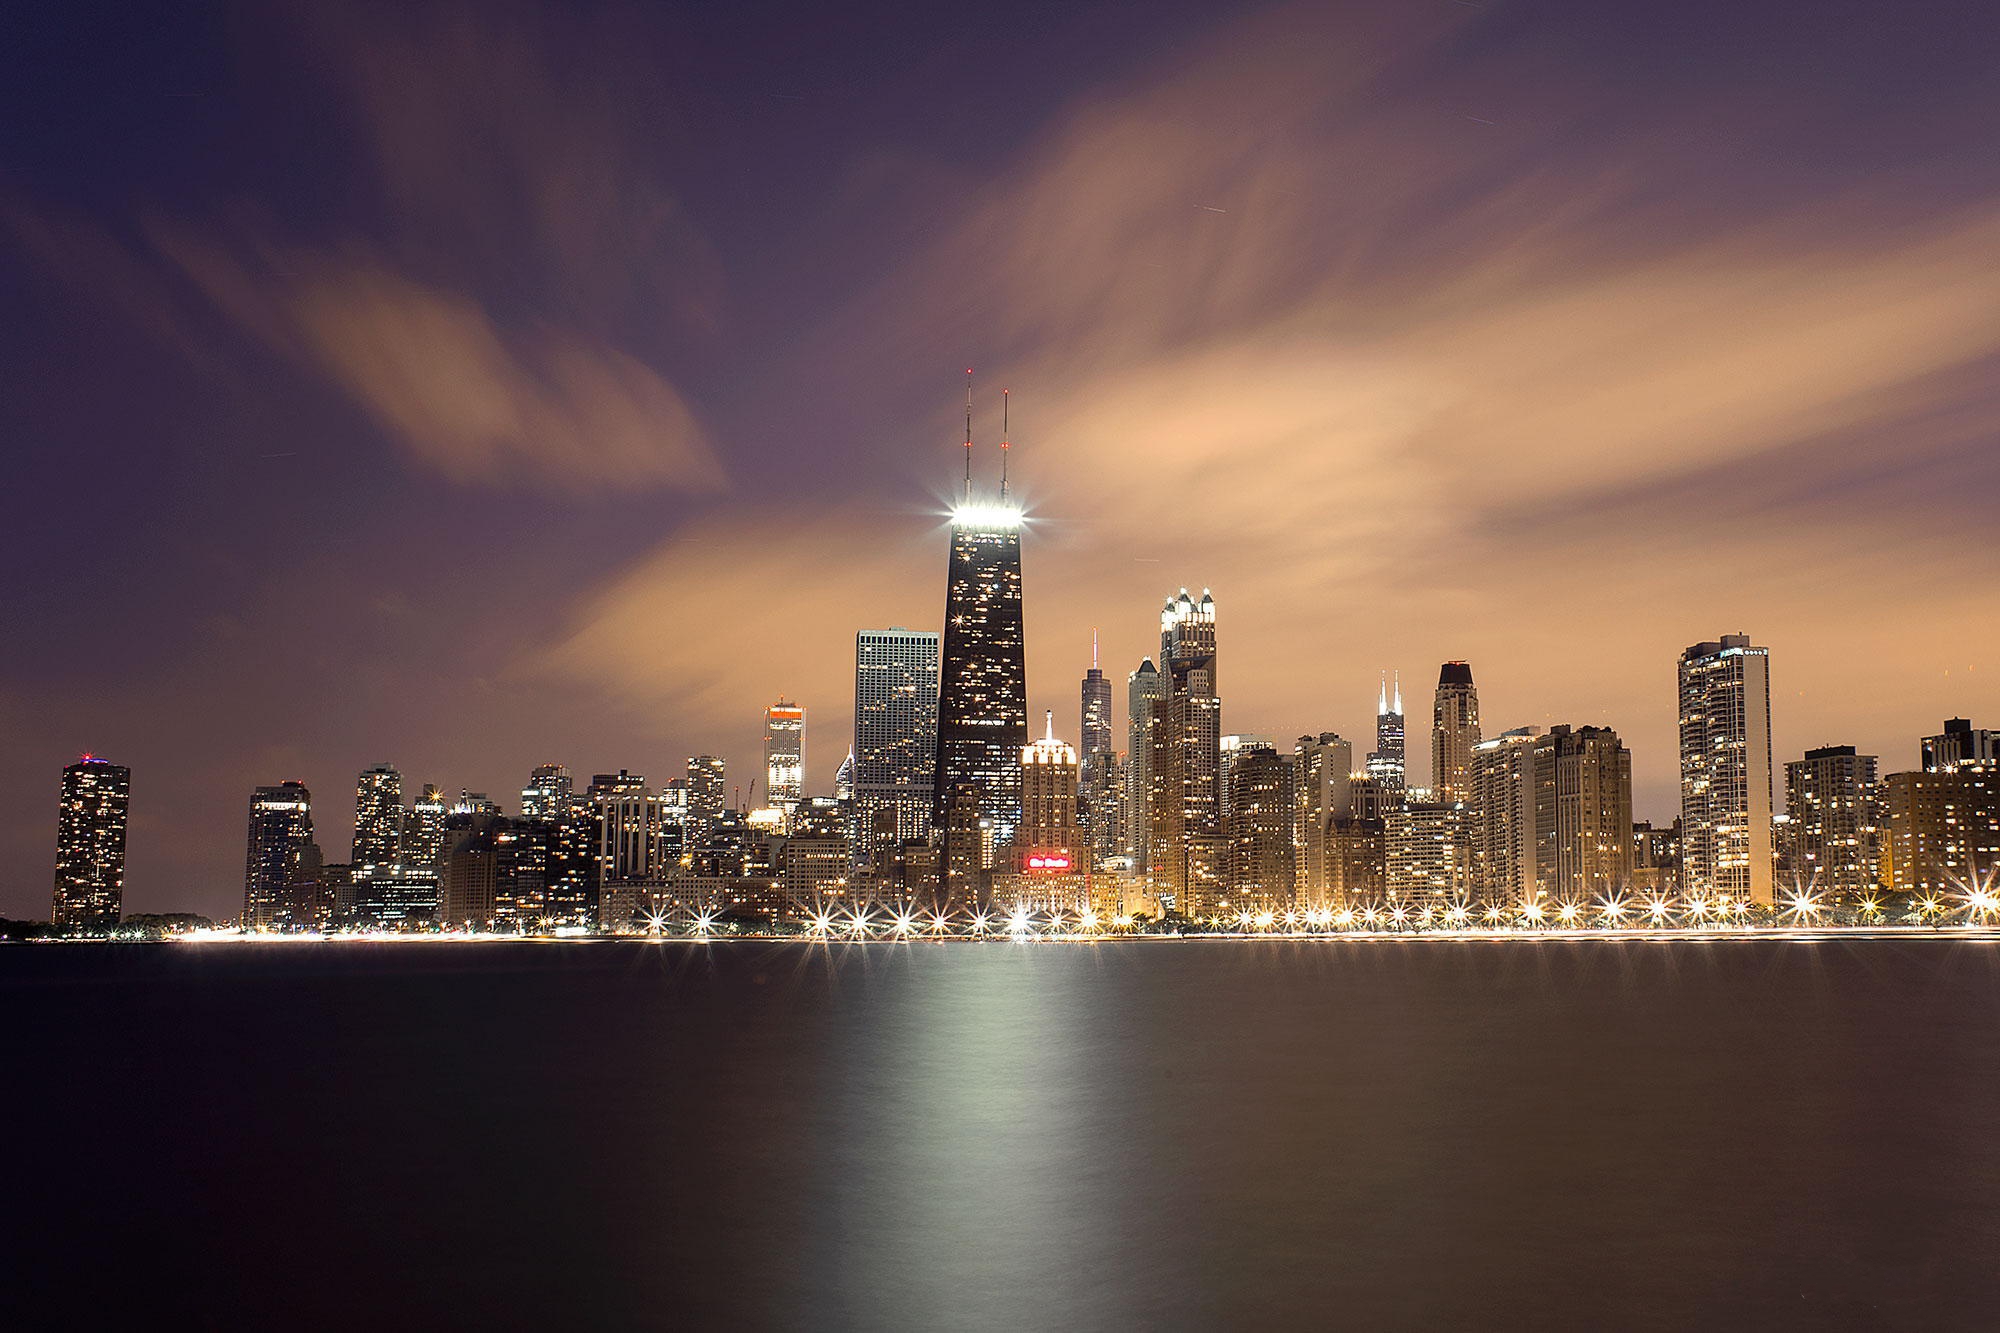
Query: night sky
{"points": [[472, 387]]}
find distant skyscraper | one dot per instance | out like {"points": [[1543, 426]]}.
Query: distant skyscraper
{"points": [[983, 697], [1184, 787], [632, 845], [895, 737], [1830, 796], [1324, 767], [1725, 741], [1048, 828], [280, 846], [1454, 733], [707, 793], [378, 820], [1387, 765], [90, 844], [1262, 808], [1101, 800], [1961, 745], [423, 836], [1144, 688], [1554, 816], [547, 796], [784, 755], [1427, 853]]}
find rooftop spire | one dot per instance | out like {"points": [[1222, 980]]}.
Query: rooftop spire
{"points": [[1003, 444], [1093, 647], [1382, 699], [968, 434], [1050, 714], [1399, 694]]}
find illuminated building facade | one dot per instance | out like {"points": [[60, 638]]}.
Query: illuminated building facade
{"points": [[90, 844], [1324, 769], [423, 835], [1554, 816], [1656, 860], [1725, 748], [707, 793], [1961, 745], [1262, 866], [631, 848], [784, 755], [1143, 689], [1427, 852], [1184, 766], [1830, 796], [1101, 800], [548, 794], [1940, 833], [280, 859], [1454, 733], [895, 738], [378, 820], [983, 694]]}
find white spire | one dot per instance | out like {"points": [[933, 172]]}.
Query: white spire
{"points": [[1399, 694], [1051, 715], [1382, 700]]}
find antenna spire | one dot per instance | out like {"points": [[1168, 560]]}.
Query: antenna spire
{"points": [[1003, 443], [968, 434], [1093, 647]]}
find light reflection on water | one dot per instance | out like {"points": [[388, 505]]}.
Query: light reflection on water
{"points": [[1201, 1134]]}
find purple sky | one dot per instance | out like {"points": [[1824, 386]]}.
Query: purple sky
{"points": [[469, 387]]}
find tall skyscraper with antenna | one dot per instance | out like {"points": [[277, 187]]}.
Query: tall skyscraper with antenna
{"points": [[982, 685], [1387, 764], [1145, 703], [1101, 796], [1185, 777]]}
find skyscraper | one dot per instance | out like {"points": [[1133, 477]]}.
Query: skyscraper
{"points": [[1185, 767], [1554, 816], [707, 794], [1143, 689], [1941, 832], [895, 737], [784, 755], [983, 692], [1322, 788], [1047, 839], [90, 844], [1454, 733], [1725, 741], [1830, 796], [1096, 693], [1387, 765], [280, 847], [547, 796], [378, 820], [1262, 808], [1100, 797]]}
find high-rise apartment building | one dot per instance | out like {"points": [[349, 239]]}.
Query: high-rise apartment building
{"points": [[1143, 689], [1388, 764], [1454, 734], [281, 847], [1323, 790], [1940, 833], [895, 738], [632, 846], [1725, 743], [1553, 816], [378, 820], [784, 755], [1961, 745], [707, 793], [90, 844], [1261, 874], [547, 796], [423, 835], [982, 689], [1830, 796], [1427, 852]]}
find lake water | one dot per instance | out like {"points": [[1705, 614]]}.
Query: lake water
{"points": [[1193, 1134]]}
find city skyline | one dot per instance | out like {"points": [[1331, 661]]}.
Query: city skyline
{"points": [[1423, 422]]}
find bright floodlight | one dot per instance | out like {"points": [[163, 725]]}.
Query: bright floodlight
{"points": [[985, 516]]}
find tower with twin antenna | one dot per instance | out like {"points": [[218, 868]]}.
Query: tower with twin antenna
{"points": [[1387, 765], [982, 683]]}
